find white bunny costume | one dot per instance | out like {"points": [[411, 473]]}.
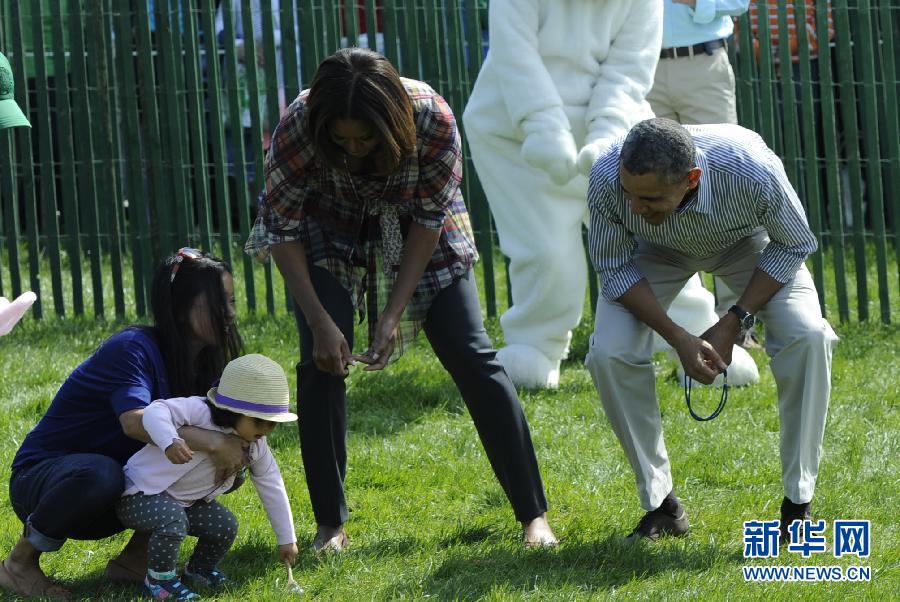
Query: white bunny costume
{"points": [[562, 79]]}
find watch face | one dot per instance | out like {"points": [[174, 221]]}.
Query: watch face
{"points": [[748, 321]]}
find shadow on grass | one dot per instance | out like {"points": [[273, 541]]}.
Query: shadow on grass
{"points": [[600, 565], [385, 403], [247, 554], [96, 587], [468, 535], [471, 562], [241, 564]]}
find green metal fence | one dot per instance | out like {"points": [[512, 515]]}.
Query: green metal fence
{"points": [[150, 121], [833, 118]]}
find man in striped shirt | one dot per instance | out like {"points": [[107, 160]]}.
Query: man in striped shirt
{"points": [[666, 202]]}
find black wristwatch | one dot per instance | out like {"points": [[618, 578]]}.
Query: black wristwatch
{"points": [[746, 318]]}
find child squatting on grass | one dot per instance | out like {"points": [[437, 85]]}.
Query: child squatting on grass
{"points": [[171, 491]]}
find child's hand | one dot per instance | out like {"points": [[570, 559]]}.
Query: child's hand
{"points": [[179, 452], [288, 553]]}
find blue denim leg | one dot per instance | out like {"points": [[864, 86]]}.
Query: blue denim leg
{"points": [[69, 497]]}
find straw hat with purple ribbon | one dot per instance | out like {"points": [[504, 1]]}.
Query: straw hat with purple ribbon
{"points": [[255, 386]]}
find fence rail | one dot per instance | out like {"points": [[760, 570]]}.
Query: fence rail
{"points": [[150, 120]]}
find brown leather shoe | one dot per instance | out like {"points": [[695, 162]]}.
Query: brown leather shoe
{"points": [[657, 523], [789, 513]]}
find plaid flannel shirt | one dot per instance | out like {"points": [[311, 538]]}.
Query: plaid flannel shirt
{"points": [[344, 220]]}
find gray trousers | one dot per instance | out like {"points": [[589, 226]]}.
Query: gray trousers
{"points": [[798, 340], [169, 523]]}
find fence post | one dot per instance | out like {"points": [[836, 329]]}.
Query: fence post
{"points": [[272, 118], [41, 128], [810, 169], [138, 217], [24, 136], [787, 101], [832, 161], [851, 137], [768, 117], [216, 133], [481, 217], [108, 200], [869, 110], [746, 69], [236, 129], [891, 124]]}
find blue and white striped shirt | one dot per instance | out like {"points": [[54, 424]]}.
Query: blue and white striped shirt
{"points": [[743, 188]]}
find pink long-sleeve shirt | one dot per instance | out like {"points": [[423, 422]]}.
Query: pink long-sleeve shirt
{"points": [[150, 471]]}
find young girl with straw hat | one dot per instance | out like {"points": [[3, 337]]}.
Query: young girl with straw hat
{"points": [[170, 489]]}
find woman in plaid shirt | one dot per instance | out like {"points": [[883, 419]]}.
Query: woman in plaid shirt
{"points": [[362, 213]]}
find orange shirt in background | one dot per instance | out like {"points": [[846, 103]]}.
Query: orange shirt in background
{"points": [[775, 35]]}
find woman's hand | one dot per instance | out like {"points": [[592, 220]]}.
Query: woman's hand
{"points": [[229, 454], [179, 452], [417, 251], [383, 346], [288, 553], [331, 353]]}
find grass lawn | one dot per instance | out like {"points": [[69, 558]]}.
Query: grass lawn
{"points": [[428, 520]]}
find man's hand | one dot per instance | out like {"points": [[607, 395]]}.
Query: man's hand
{"points": [[383, 346], [722, 336], [331, 353], [288, 553], [179, 452], [699, 359], [229, 454]]}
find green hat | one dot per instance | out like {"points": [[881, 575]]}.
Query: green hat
{"points": [[11, 115]]}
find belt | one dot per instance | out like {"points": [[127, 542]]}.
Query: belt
{"points": [[702, 48]]}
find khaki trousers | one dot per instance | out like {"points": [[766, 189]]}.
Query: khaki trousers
{"points": [[695, 89], [798, 340]]}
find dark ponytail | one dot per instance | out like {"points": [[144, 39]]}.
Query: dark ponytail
{"points": [[171, 301]]}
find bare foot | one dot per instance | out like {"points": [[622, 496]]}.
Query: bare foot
{"points": [[330, 539], [21, 573], [538, 534]]}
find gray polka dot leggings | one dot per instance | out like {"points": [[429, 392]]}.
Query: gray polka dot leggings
{"points": [[168, 523]]}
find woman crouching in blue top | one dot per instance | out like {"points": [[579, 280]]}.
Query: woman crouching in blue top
{"points": [[67, 475]]}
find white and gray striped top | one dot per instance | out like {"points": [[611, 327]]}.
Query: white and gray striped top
{"points": [[743, 187]]}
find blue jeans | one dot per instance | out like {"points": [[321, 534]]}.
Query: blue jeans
{"points": [[70, 497]]}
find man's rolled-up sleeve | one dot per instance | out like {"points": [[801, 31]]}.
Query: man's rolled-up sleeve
{"points": [[610, 243], [782, 215]]}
